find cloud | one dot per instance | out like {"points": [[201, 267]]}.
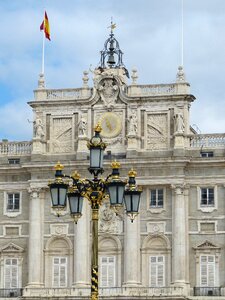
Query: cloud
{"points": [[149, 33]]}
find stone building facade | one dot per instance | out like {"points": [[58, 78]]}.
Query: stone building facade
{"points": [[174, 249]]}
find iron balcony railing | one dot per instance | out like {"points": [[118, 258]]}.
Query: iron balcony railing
{"points": [[10, 293], [207, 291]]}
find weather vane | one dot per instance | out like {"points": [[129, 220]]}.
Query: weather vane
{"points": [[112, 25]]}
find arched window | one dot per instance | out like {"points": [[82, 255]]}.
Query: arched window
{"points": [[58, 263], [156, 261], [109, 261]]}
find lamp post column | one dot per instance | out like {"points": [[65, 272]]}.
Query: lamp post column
{"points": [[94, 255]]}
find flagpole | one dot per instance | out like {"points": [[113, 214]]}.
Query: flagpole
{"points": [[182, 33]]}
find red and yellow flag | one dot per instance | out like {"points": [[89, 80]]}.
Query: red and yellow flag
{"points": [[45, 26]]}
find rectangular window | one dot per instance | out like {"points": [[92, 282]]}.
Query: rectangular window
{"points": [[13, 161], [156, 198], [59, 272], [207, 154], [157, 265], [13, 202], [207, 196], [11, 273], [107, 271], [207, 271]]}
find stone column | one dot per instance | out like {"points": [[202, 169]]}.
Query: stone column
{"points": [[35, 251], [82, 267], [179, 236], [132, 252]]}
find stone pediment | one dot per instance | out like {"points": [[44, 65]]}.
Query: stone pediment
{"points": [[11, 247], [206, 245]]}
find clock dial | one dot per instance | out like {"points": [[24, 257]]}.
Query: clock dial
{"points": [[111, 125]]}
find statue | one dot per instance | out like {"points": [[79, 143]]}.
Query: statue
{"points": [[82, 126], [38, 129], [179, 123], [132, 123]]}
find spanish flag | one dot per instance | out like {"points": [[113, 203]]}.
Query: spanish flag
{"points": [[45, 26]]}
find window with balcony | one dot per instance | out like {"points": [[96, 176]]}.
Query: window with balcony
{"points": [[11, 273], [207, 257], [59, 272], [207, 270], [157, 266], [107, 271]]}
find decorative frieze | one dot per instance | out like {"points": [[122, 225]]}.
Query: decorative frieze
{"points": [[61, 135], [157, 131]]}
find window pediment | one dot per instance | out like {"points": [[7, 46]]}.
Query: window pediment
{"points": [[11, 247], [206, 245]]}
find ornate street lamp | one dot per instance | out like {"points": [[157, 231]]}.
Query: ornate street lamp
{"points": [[95, 190]]}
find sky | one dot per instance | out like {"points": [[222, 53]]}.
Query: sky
{"points": [[149, 33]]}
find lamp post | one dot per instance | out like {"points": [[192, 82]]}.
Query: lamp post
{"points": [[95, 190]]}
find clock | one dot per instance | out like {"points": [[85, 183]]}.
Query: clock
{"points": [[111, 125]]}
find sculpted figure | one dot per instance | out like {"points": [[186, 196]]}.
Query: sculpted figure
{"points": [[132, 123], [179, 123], [82, 127], [38, 129]]}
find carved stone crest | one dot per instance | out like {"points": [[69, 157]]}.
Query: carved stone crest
{"points": [[108, 90], [109, 221]]}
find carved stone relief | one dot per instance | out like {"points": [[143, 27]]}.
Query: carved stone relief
{"points": [[157, 131], [108, 90], [109, 221], [62, 135]]}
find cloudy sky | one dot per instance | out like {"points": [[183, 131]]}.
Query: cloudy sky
{"points": [[149, 32]]}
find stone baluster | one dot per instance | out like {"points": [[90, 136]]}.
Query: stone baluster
{"points": [[132, 252], [35, 245], [180, 235]]}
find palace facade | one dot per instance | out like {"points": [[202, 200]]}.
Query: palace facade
{"points": [[174, 249]]}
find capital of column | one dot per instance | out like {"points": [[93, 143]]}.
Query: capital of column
{"points": [[178, 188], [34, 191]]}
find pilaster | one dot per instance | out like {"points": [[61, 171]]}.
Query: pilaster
{"points": [[132, 252], [82, 267], [180, 235], [35, 245]]}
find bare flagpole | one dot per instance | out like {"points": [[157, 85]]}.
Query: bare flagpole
{"points": [[182, 33]]}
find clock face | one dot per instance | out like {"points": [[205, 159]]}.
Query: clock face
{"points": [[111, 125]]}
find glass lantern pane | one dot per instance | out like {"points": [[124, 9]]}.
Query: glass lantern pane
{"points": [[76, 203], [121, 193], [54, 195], [127, 200], [113, 194], [135, 202], [95, 157], [101, 158], [62, 196]]}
